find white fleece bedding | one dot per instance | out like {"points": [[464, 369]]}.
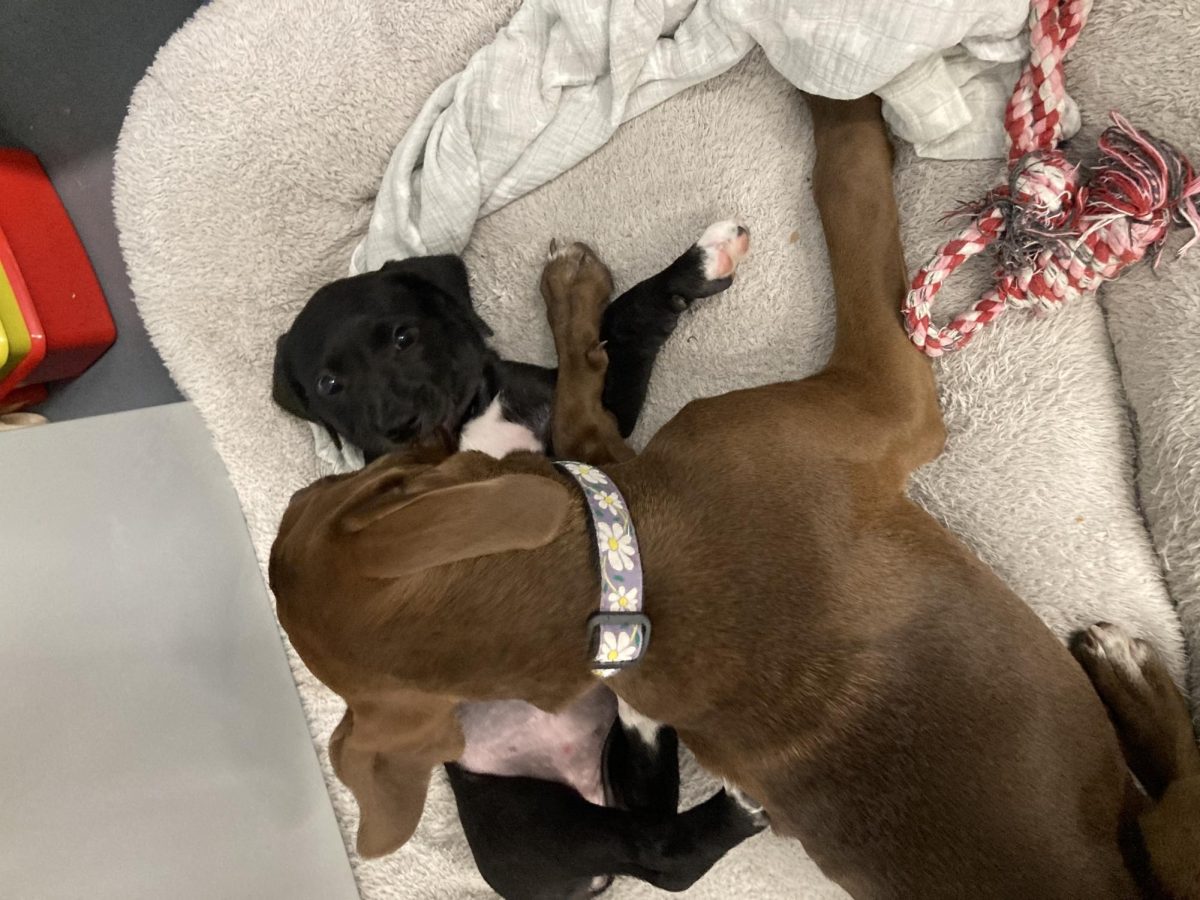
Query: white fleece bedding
{"points": [[246, 173]]}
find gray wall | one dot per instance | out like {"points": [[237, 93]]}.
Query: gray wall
{"points": [[67, 68]]}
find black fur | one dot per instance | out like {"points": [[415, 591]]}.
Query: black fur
{"points": [[388, 396], [548, 843], [639, 322]]}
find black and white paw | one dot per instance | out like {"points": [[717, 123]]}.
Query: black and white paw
{"points": [[751, 807], [723, 245], [707, 267]]}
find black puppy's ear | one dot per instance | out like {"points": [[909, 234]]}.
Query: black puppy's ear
{"points": [[447, 274], [285, 390]]}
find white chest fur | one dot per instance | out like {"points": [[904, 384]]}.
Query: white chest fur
{"points": [[494, 435]]}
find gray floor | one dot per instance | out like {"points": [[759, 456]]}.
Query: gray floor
{"points": [[68, 68], [154, 744], [157, 747]]}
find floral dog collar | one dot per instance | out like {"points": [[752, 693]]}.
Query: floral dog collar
{"points": [[620, 631]]}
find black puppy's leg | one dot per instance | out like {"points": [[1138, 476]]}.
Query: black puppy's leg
{"points": [[536, 840], [675, 853], [641, 764], [638, 323]]}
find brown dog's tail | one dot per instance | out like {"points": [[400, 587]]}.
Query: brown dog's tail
{"points": [[1151, 718]]}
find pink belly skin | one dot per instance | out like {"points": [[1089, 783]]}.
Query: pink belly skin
{"points": [[510, 737]]}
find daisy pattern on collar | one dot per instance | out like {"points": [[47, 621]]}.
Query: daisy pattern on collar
{"points": [[620, 631], [616, 544], [623, 598], [609, 502], [617, 646], [590, 474]]}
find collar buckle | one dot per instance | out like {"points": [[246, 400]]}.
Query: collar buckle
{"points": [[613, 625]]}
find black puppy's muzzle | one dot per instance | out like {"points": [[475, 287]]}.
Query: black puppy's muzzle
{"points": [[404, 431], [395, 419]]}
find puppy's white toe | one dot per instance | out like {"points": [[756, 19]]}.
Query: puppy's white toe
{"points": [[752, 807], [723, 244]]}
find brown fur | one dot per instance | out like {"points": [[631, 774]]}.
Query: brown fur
{"points": [[577, 274], [819, 641]]}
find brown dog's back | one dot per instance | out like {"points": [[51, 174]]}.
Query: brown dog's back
{"points": [[910, 716]]}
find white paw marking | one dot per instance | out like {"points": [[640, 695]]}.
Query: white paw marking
{"points": [[1124, 652], [494, 435], [646, 727], [724, 245], [752, 807]]}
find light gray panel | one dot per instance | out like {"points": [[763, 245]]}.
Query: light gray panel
{"points": [[153, 741]]}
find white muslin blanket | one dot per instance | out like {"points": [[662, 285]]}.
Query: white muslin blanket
{"points": [[563, 75]]}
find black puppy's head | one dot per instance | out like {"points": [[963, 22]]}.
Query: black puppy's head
{"points": [[386, 358]]}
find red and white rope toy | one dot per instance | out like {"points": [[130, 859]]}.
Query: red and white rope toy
{"points": [[1057, 236]]}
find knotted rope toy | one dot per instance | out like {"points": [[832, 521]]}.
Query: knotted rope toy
{"points": [[1057, 234]]}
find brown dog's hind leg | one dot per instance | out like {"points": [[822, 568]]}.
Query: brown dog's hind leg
{"points": [[872, 360], [1151, 718], [576, 286]]}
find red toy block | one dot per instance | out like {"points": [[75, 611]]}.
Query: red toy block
{"points": [[53, 266], [26, 340]]}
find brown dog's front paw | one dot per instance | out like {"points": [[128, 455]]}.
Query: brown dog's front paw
{"points": [[576, 286]]}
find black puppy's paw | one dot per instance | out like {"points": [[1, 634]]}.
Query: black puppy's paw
{"points": [[641, 772], [750, 808], [687, 847], [707, 267]]}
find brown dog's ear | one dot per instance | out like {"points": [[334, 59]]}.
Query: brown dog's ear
{"points": [[384, 751], [401, 529]]}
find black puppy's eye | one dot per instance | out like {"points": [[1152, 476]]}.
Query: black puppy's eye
{"points": [[404, 336], [328, 385]]}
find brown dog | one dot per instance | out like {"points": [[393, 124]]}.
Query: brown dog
{"points": [[818, 640]]}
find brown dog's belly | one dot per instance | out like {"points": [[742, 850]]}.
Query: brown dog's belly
{"points": [[511, 737]]}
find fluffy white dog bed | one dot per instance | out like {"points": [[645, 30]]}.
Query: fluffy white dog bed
{"points": [[246, 173]]}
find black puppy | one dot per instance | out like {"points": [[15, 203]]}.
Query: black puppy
{"points": [[397, 356]]}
